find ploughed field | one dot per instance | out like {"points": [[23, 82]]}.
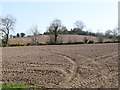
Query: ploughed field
{"points": [[62, 66]]}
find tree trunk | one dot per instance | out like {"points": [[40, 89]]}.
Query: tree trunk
{"points": [[6, 41], [35, 39], [56, 38], [56, 35]]}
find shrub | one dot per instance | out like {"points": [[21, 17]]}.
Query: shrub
{"points": [[51, 40], [85, 39], [28, 44], [17, 44], [42, 43], [100, 37], [79, 42], [90, 42], [60, 41], [75, 42], [69, 41], [50, 43], [108, 42], [3, 43]]}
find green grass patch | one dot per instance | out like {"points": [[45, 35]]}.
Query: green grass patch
{"points": [[14, 85]]}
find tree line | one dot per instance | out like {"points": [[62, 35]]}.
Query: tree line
{"points": [[54, 30]]}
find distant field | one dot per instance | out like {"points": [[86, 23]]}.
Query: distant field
{"points": [[64, 38], [80, 66]]}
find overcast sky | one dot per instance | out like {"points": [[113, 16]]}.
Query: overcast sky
{"points": [[97, 16]]}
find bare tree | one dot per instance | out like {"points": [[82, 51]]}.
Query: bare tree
{"points": [[35, 32], [79, 24], [64, 30], [54, 29], [6, 25], [100, 37], [108, 33], [115, 32]]}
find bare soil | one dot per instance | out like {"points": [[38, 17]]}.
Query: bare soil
{"points": [[63, 38], [62, 66]]}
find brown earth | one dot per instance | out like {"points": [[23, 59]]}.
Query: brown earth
{"points": [[64, 38], [62, 66]]}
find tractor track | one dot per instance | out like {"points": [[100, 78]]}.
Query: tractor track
{"points": [[73, 70]]}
